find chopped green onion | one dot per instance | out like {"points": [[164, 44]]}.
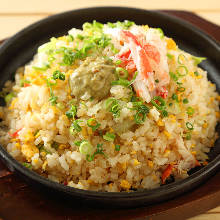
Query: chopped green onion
{"points": [[188, 136], [28, 165], [9, 97], [70, 37], [77, 143], [121, 73], [58, 75], [92, 123], [85, 148], [109, 136], [79, 36], [164, 113], [173, 76], [99, 150], [170, 104], [159, 99], [175, 97], [182, 71], [142, 111], [185, 101], [72, 112], [43, 68], [170, 56], [118, 62], [189, 126], [198, 60], [181, 89], [196, 73], [181, 57], [161, 33], [157, 81], [112, 105], [190, 111], [43, 149], [117, 147], [75, 126]]}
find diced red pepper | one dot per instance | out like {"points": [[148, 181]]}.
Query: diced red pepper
{"points": [[163, 92], [26, 84], [166, 173], [15, 134]]}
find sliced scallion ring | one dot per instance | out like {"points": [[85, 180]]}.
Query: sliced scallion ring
{"points": [[181, 57], [189, 126], [121, 73], [182, 71]]}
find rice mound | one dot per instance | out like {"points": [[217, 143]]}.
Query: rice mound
{"points": [[37, 133]]}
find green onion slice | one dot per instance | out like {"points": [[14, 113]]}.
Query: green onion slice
{"points": [[109, 136], [181, 57], [117, 147], [189, 126], [121, 73], [182, 71], [190, 111], [159, 99], [85, 148], [92, 123]]}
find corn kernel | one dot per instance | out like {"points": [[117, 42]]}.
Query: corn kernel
{"points": [[133, 152], [171, 45], [150, 163], [35, 160], [37, 135], [134, 138], [90, 131], [199, 77], [166, 153], [193, 145], [167, 134], [160, 123], [193, 152], [205, 125], [84, 132], [125, 184], [17, 145], [124, 165], [62, 146], [90, 182], [43, 154], [136, 162], [111, 130]]}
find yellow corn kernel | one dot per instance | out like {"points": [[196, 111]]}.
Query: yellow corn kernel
{"points": [[134, 138], [136, 162], [62, 146], [84, 132], [193, 145], [124, 165], [133, 152], [111, 130], [131, 117], [35, 160], [29, 150], [211, 99], [199, 76], [125, 184], [151, 146], [166, 153], [217, 114], [90, 131], [167, 134], [193, 152], [28, 137], [160, 123], [150, 163], [171, 45], [110, 185], [44, 165], [211, 84], [17, 145], [43, 153], [205, 125], [192, 74], [145, 27], [14, 140]]}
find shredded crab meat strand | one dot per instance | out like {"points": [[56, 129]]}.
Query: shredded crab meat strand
{"points": [[138, 52]]}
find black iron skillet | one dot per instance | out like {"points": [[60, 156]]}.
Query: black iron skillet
{"points": [[20, 48]]}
